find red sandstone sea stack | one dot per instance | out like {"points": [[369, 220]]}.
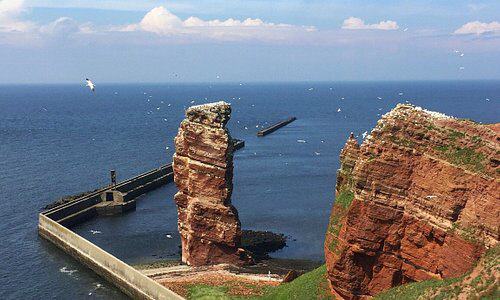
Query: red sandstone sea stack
{"points": [[203, 171], [419, 199]]}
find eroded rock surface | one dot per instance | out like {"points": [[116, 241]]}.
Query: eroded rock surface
{"points": [[419, 199], [203, 172]]}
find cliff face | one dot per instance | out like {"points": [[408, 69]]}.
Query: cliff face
{"points": [[417, 200], [203, 172]]}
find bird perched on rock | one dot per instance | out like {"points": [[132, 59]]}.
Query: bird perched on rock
{"points": [[90, 84]]}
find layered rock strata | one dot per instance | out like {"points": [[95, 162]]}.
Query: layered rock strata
{"points": [[419, 199], [203, 172]]}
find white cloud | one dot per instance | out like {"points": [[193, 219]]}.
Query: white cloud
{"points": [[197, 22], [357, 23], [477, 27], [10, 11], [15, 30], [159, 20], [162, 22], [61, 26]]}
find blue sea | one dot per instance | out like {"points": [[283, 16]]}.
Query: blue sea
{"points": [[57, 140]]}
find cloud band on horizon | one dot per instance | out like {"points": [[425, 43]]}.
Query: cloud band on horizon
{"points": [[478, 28], [161, 21], [358, 24]]}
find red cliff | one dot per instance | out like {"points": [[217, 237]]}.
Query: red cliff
{"points": [[203, 172], [417, 200]]}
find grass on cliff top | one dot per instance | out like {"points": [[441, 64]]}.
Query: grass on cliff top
{"points": [[311, 285], [465, 157], [481, 285], [414, 291]]}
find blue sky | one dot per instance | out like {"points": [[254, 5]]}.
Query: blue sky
{"points": [[48, 41]]}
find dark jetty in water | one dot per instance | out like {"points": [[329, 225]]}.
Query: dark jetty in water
{"points": [[238, 144], [261, 243], [275, 127]]}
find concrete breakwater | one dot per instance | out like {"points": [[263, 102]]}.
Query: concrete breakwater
{"points": [[111, 199], [275, 127], [129, 280]]}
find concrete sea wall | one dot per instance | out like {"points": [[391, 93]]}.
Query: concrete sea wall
{"points": [[84, 208], [126, 278], [53, 225]]}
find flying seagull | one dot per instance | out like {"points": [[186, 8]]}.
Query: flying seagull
{"points": [[90, 84]]}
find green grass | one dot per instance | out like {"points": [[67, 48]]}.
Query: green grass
{"points": [[344, 198], [467, 233], [413, 291], [402, 142], [454, 135], [311, 285], [465, 157], [207, 292], [477, 139], [334, 228], [442, 148], [340, 206], [348, 180], [468, 158], [483, 283], [431, 127]]}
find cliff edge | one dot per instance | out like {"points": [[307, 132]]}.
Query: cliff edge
{"points": [[417, 200]]}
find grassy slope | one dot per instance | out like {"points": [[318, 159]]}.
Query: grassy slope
{"points": [[413, 291], [311, 285], [477, 284]]}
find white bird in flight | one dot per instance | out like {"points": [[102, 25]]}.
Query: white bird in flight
{"points": [[90, 84]]}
